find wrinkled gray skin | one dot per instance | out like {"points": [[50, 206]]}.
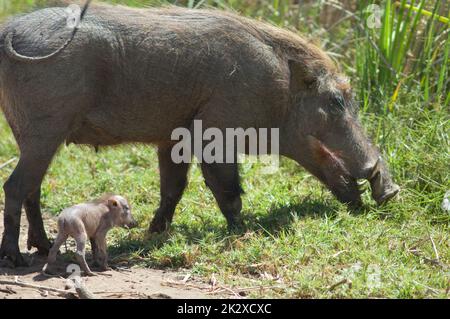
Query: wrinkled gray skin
{"points": [[134, 75], [91, 221]]}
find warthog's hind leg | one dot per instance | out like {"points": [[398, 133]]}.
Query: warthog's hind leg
{"points": [[37, 152], [36, 232]]}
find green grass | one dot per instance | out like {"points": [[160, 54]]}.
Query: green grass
{"points": [[300, 240]]}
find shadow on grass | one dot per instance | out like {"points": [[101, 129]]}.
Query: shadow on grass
{"points": [[281, 217], [278, 218]]}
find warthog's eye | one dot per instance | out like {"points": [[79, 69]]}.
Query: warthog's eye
{"points": [[338, 101]]}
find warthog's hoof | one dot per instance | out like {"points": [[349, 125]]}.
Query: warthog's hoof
{"points": [[12, 253], [42, 244], [50, 271], [158, 227], [237, 226]]}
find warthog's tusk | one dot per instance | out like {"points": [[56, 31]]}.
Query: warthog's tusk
{"points": [[376, 169], [362, 186]]}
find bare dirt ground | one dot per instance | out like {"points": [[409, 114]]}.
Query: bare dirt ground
{"points": [[131, 282]]}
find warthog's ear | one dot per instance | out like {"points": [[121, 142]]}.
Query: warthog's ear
{"points": [[300, 77], [112, 202]]}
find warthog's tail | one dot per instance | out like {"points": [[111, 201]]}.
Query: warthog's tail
{"points": [[12, 53]]}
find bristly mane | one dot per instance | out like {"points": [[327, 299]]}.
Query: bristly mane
{"points": [[286, 42]]}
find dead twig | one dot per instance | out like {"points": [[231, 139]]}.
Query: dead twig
{"points": [[434, 248], [339, 253], [339, 283], [82, 291], [416, 252], [186, 278], [19, 283], [118, 294], [209, 290], [8, 290], [244, 289], [220, 289], [121, 269], [176, 284], [434, 291], [101, 292], [430, 261], [102, 274]]}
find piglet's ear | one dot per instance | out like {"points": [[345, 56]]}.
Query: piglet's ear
{"points": [[112, 202]]}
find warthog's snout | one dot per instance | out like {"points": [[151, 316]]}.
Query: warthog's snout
{"points": [[383, 189], [335, 171]]}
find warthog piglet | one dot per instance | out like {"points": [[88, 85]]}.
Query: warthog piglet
{"points": [[91, 221]]}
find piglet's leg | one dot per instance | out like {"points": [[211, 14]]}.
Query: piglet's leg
{"points": [[94, 251], [81, 254], [60, 239], [102, 254]]}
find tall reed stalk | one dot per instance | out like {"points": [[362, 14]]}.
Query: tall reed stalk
{"points": [[409, 51]]}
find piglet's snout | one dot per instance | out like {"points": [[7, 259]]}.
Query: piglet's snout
{"points": [[132, 224]]}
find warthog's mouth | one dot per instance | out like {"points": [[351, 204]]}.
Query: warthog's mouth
{"points": [[349, 189], [334, 172]]}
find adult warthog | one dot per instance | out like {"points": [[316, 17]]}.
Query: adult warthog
{"points": [[135, 75]]}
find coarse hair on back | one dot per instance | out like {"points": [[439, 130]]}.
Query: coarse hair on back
{"points": [[291, 44]]}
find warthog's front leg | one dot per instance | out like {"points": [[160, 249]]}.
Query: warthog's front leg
{"points": [[223, 180], [173, 178]]}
